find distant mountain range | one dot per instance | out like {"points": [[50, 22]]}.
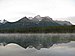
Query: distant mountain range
{"points": [[37, 21]]}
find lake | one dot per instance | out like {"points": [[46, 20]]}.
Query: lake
{"points": [[37, 44]]}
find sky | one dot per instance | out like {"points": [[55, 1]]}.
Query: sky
{"points": [[13, 10]]}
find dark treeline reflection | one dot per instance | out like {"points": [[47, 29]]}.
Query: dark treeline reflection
{"points": [[36, 40]]}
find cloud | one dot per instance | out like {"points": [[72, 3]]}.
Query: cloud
{"points": [[52, 8], [25, 13]]}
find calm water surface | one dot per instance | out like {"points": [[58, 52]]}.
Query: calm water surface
{"points": [[37, 44]]}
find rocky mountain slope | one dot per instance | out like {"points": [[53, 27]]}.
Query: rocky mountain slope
{"points": [[37, 21]]}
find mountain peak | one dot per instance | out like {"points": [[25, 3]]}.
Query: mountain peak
{"points": [[3, 21], [24, 19], [38, 17], [47, 18]]}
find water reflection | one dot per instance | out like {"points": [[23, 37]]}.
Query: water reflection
{"points": [[37, 44], [36, 40], [64, 49]]}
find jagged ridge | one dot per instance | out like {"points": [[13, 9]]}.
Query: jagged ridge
{"points": [[37, 21]]}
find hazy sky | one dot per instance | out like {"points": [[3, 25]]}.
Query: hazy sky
{"points": [[13, 10]]}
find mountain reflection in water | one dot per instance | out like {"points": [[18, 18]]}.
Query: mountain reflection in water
{"points": [[36, 40], [64, 49]]}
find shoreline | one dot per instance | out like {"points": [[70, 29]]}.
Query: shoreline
{"points": [[37, 33]]}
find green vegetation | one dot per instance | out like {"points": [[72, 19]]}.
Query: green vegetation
{"points": [[49, 29]]}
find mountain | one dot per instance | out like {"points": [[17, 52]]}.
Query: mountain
{"points": [[63, 23], [37, 21], [47, 21], [47, 18], [38, 17], [24, 23], [3, 21], [24, 19]]}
